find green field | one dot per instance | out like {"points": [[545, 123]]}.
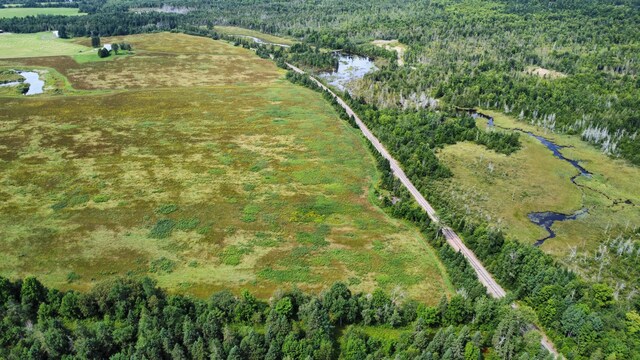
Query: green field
{"points": [[502, 190], [37, 45], [233, 30], [24, 12], [196, 163]]}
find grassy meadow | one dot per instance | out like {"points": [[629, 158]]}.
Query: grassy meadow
{"points": [[24, 12], [37, 45], [504, 189], [196, 163]]}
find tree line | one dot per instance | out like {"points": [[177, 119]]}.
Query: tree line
{"points": [[126, 318]]}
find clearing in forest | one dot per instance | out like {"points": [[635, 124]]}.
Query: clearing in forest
{"points": [[544, 73], [503, 190], [196, 163], [393, 45]]}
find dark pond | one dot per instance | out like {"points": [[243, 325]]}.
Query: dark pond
{"points": [[547, 218]]}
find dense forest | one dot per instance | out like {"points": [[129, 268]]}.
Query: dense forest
{"points": [[126, 318]]}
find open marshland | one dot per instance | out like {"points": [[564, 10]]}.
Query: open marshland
{"points": [[196, 163], [504, 190]]}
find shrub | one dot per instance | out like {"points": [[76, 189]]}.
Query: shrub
{"points": [[162, 265], [187, 224], [162, 229], [101, 198], [72, 276], [232, 255], [167, 209], [311, 238], [78, 199], [59, 205], [250, 213]]}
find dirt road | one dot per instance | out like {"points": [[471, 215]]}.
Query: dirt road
{"points": [[493, 288]]}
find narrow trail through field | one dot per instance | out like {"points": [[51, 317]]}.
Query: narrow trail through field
{"points": [[493, 288]]}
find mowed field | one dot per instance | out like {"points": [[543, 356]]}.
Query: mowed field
{"points": [[24, 12], [204, 169], [37, 45], [504, 189]]}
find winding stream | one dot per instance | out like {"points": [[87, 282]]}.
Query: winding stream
{"points": [[546, 219], [555, 148]]}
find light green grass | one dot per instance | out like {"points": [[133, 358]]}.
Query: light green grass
{"points": [[24, 12], [36, 45], [233, 30], [237, 180], [384, 333]]}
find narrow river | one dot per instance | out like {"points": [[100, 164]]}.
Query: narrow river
{"points": [[547, 218]]}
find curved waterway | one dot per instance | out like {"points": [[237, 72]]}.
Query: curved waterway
{"points": [[546, 219], [555, 148], [36, 86]]}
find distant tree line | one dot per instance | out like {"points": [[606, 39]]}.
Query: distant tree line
{"points": [[462, 56], [105, 24]]}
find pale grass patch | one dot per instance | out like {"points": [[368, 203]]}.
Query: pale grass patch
{"points": [[273, 147], [544, 73], [88, 137], [104, 241], [392, 45]]}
